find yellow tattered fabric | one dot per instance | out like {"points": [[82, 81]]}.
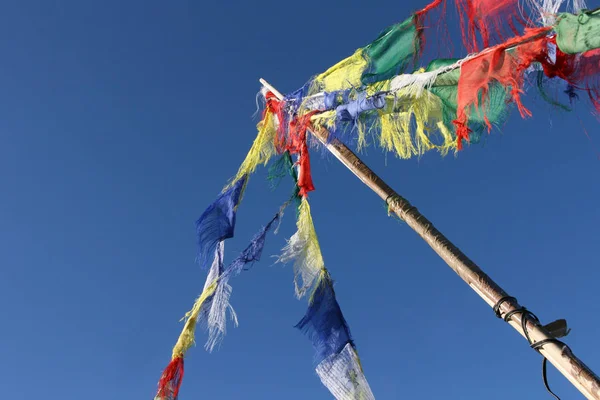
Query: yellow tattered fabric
{"points": [[303, 248], [170, 381], [345, 74], [409, 124], [262, 149], [396, 131]]}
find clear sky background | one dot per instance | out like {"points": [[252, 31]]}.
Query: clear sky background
{"points": [[121, 121]]}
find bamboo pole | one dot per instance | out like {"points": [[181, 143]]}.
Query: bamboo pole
{"points": [[583, 378]]}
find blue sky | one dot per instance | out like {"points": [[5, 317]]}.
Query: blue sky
{"points": [[121, 121]]}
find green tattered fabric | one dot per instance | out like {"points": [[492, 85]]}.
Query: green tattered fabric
{"points": [[578, 33], [392, 51]]}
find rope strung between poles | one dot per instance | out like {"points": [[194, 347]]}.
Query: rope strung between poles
{"points": [[525, 315]]}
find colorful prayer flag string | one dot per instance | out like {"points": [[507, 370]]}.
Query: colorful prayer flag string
{"points": [[215, 316], [215, 225], [338, 365], [211, 307], [459, 99], [373, 93]]}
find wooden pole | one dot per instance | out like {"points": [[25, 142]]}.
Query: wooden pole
{"points": [[584, 379]]}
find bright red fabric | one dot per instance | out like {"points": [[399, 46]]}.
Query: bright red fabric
{"points": [[426, 21], [488, 21], [291, 136], [500, 65], [297, 145], [170, 381], [275, 106]]}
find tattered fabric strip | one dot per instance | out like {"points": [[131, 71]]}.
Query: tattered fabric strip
{"points": [[217, 222], [410, 122], [284, 166], [210, 308], [585, 76], [170, 382], [506, 64], [215, 315], [303, 248], [483, 23], [338, 364], [324, 323], [214, 226], [490, 21], [350, 103], [575, 34], [414, 83], [435, 75], [500, 65], [296, 144], [546, 10], [350, 111], [477, 99], [407, 124], [263, 147], [342, 374], [578, 33], [395, 49], [291, 138]]}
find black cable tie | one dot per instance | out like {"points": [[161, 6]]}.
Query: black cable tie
{"points": [[537, 345], [541, 343], [526, 313], [500, 302]]}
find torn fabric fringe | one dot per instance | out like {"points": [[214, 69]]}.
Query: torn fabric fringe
{"points": [[414, 84], [338, 364], [217, 222], [170, 381], [398, 47], [409, 123], [263, 148], [342, 374], [473, 94], [545, 10], [215, 313], [303, 248], [324, 323], [211, 307]]}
